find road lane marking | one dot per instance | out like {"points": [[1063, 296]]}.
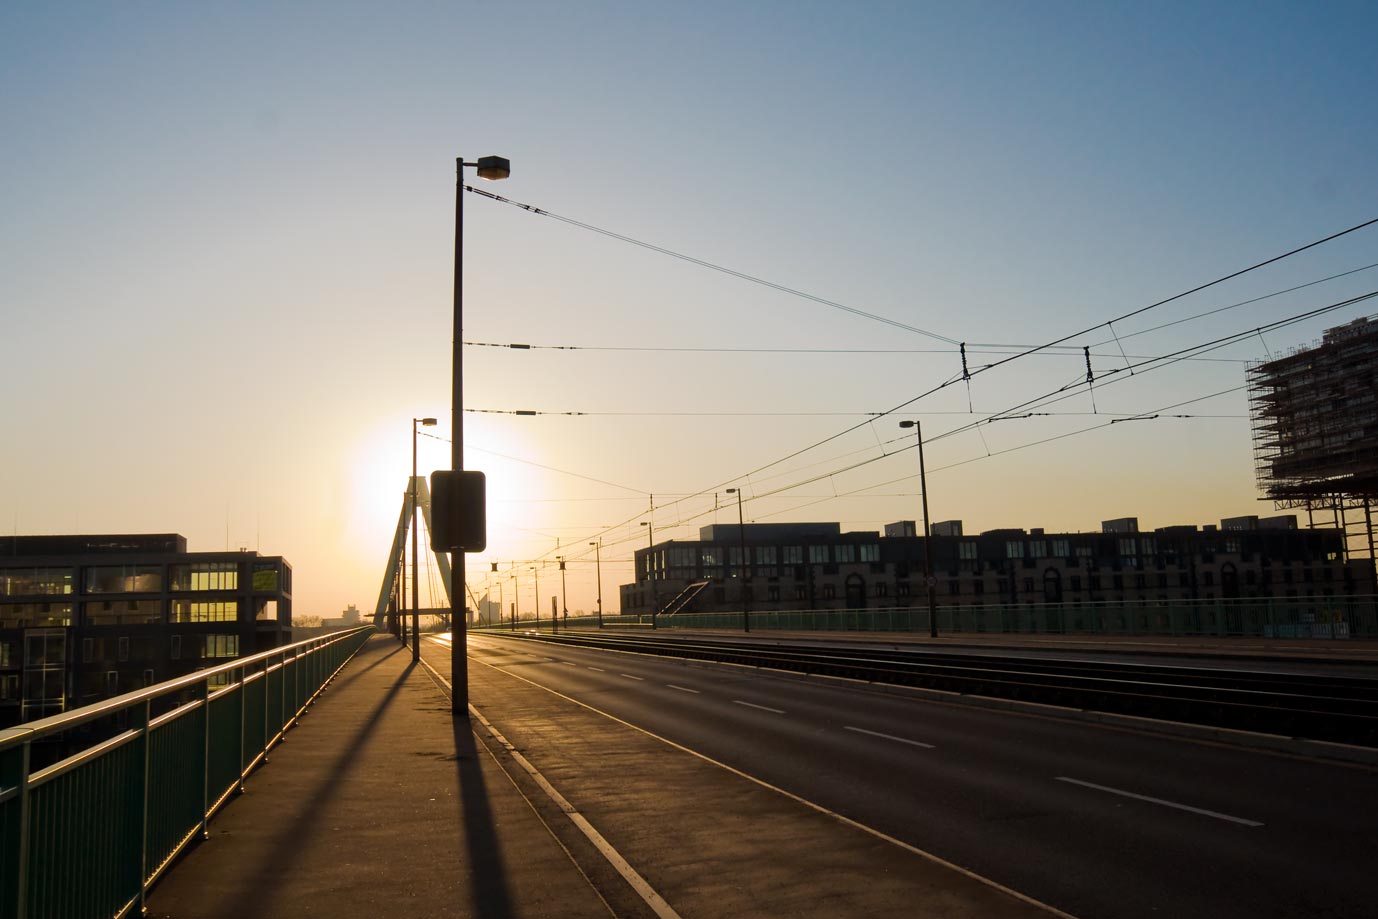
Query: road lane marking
{"points": [[1173, 804], [916, 743], [599, 669], [630, 677], [764, 708], [569, 663], [648, 894], [683, 688], [818, 808]]}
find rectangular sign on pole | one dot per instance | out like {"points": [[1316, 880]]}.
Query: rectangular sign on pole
{"points": [[459, 520]]}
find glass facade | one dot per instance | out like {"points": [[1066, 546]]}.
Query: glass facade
{"points": [[205, 610], [35, 582], [124, 579], [211, 576], [35, 615]]}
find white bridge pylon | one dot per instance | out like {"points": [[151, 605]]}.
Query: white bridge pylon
{"points": [[394, 570]]}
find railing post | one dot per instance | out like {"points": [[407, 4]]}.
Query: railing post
{"points": [[146, 715], [14, 773], [243, 713], [203, 690]]}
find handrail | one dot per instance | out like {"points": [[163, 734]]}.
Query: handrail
{"points": [[89, 834]]}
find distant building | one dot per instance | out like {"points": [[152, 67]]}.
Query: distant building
{"points": [[83, 618], [817, 566]]}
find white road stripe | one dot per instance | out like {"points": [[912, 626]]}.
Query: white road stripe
{"points": [[764, 708], [916, 743], [599, 669], [569, 663], [1173, 804], [630, 677], [683, 688]]}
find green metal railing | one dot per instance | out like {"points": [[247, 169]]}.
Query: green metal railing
{"points": [[88, 835], [1261, 617]]}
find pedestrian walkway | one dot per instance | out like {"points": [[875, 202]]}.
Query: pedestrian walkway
{"points": [[380, 804], [377, 806]]}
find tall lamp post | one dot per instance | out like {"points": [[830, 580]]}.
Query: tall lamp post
{"points": [[741, 541], [491, 168], [415, 555], [564, 594], [651, 569], [598, 567], [928, 579], [536, 576]]}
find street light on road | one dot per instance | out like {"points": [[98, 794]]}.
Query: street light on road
{"points": [[598, 567], [741, 541], [491, 168], [415, 555], [928, 580], [651, 569]]}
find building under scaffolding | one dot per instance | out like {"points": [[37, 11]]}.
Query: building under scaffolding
{"points": [[1315, 424]]}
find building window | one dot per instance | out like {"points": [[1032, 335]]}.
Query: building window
{"points": [[1128, 546], [124, 579], [799, 592], [221, 646], [773, 592], [870, 553], [1061, 549], [176, 650], [112, 683], [818, 555], [1014, 548], [206, 576], [966, 551], [1147, 545], [844, 554], [1038, 549], [829, 591], [954, 587], [35, 615], [212, 611], [792, 555], [902, 589], [123, 646], [123, 612], [882, 589], [29, 582]]}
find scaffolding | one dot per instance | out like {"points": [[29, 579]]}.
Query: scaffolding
{"points": [[1314, 411]]}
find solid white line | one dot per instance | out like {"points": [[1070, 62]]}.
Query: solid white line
{"points": [[1173, 804], [599, 669], [846, 821], [629, 874], [764, 708], [683, 688], [630, 677], [916, 743]]}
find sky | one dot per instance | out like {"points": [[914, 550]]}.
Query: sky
{"points": [[227, 239]]}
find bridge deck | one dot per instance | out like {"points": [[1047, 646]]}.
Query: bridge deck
{"points": [[377, 806]]}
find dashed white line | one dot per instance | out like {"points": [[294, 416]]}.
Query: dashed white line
{"points": [[569, 663], [764, 708], [599, 669], [1172, 804], [630, 677], [683, 688], [915, 743]]}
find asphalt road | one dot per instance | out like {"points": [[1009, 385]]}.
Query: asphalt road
{"points": [[1095, 821]]}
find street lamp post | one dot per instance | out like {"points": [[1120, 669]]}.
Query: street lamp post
{"points": [[651, 569], [564, 594], [598, 568], [928, 579], [741, 542], [536, 575], [415, 555], [492, 168]]}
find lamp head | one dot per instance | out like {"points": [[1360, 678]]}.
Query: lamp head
{"points": [[908, 424], [732, 491], [428, 422], [493, 167]]}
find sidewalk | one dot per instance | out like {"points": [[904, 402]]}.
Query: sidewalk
{"points": [[376, 806]]}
